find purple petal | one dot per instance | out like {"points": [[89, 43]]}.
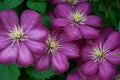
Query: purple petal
{"points": [[85, 8], [90, 68], [112, 56], [4, 42], [35, 47], [73, 32], [112, 41], [73, 76], [59, 23], [43, 63], [94, 21], [85, 52], [9, 19], [106, 71], [70, 50], [30, 19], [38, 33], [9, 55], [51, 14], [60, 63], [105, 32], [56, 1], [63, 10], [89, 32], [25, 57], [62, 38]]}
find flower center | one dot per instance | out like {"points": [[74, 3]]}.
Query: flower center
{"points": [[99, 53], [77, 17], [70, 1], [52, 44], [16, 33]]}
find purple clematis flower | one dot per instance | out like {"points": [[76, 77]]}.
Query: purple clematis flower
{"points": [[19, 41], [100, 55], [73, 2], [77, 21], [59, 50]]}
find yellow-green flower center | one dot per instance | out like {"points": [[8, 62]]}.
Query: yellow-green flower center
{"points": [[70, 1], [16, 33], [99, 53], [77, 17], [53, 44]]}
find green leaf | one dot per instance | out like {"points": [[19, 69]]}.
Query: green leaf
{"points": [[9, 72], [118, 54], [119, 27], [9, 4], [38, 6], [46, 21], [112, 17], [39, 75]]}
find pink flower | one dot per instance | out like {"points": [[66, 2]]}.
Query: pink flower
{"points": [[20, 40], [77, 21], [73, 2], [100, 55], [59, 50]]}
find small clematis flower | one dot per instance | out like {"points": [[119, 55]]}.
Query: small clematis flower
{"points": [[59, 49], [73, 2], [100, 55], [77, 22], [20, 41]]}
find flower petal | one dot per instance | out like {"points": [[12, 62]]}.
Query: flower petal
{"points": [[105, 32], [59, 23], [90, 68], [70, 50], [113, 41], [106, 71], [85, 53], [4, 42], [85, 8], [56, 1], [9, 55], [29, 19], [112, 56], [9, 19], [59, 62], [43, 63], [63, 10], [89, 32], [35, 47], [94, 21], [73, 32], [25, 57], [73, 76], [38, 33]]}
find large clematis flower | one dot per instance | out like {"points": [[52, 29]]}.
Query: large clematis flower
{"points": [[59, 50], [100, 55], [77, 21], [73, 2], [20, 40]]}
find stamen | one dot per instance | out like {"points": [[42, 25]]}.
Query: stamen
{"points": [[52, 45]]}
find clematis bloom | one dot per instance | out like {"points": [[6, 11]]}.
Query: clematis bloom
{"points": [[100, 55], [77, 22], [59, 49], [19, 41]]}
